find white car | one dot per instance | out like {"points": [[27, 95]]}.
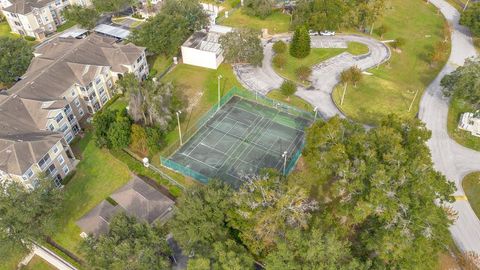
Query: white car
{"points": [[327, 33], [312, 33]]}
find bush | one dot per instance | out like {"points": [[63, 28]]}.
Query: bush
{"points": [[398, 43], [279, 61], [303, 73], [471, 18], [137, 16], [139, 140], [288, 88], [300, 46], [29, 38], [382, 30], [279, 47], [259, 8]]}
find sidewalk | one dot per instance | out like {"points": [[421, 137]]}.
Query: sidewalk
{"points": [[48, 256]]}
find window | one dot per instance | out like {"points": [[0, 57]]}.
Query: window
{"points": [[44, 161], [98, 81], [51, 170], [28, 174], [81, 112], [66, 169], [51, 127], [104, 99], [77, 102], [64, 128], [55, 149], [73, 93], [59, 117], [69, 137], [101, 91], [61, 160], [70, 117], [109, 83]]}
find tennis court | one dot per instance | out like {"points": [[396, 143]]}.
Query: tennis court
{"points": [[240, 139]]}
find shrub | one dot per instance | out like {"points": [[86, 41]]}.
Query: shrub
{"points": [[139, 140], [303, 73], [382, 30], [29, 38], [137, 16], [259, 8], [288, 88], [279, 61], [398, 43], [300, 46], [279, 47]]}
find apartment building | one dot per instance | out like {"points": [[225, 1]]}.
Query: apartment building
{"points": [[67, 80], [36, 18]]}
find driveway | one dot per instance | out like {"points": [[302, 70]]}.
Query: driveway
{"points": [[450, 158]]}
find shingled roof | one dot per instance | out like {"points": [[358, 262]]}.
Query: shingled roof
{"points": [[96, 221], [26, 6]]}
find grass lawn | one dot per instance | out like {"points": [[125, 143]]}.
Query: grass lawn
{"points": [[38, 263], [465, 138], [275, 23], [11, 259], [392, 87], [294, 100], [316, 56], [158, 64], [96, 177], [471, 186], [356, 48], [5, 31], [65, 26]]}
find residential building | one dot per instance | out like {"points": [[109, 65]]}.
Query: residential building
{"points": [[36, 18], [203, 48], [67, 80], [470, 122]]}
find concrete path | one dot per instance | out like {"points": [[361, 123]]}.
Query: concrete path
{"points": [[450, 158], [48, 256]]}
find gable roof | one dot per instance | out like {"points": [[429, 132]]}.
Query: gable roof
{"points": [[143, 201], [96, 221], [26, 6]]}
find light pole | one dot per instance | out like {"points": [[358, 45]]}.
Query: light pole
{"points": [[315, 110], [219, 78], [179, 128], [466, 5], [284, 155]]}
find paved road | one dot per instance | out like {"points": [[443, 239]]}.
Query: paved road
{"points": [[450, 158], [324, 75]]}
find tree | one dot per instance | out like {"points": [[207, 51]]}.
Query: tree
{"points": [[463, 82], [382, 30], [300, 46], [471, 18], [312, 249], [303, 73], [265, 207], [242, 46], [398, 43], [225, 255], [165, 32], [259, 8], [114, 6], [327, 14], [139, 140], [129, 244], [288, 88], [351, 75], [85, 17], [365, 12], [120, 130], [201, 218], [155, 139], [279, 47], [15, 57], [28, 216], [279, 61], [102, 121], [380, 190]]}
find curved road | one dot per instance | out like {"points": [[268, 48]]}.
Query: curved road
{"points": [[450, 158]]}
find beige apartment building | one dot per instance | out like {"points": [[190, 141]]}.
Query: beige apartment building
{"points": [[36, 18], [67, 80]]}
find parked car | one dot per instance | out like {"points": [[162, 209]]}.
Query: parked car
{"points": [[312, 33], [327, 33]]}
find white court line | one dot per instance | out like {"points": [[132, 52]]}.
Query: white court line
{"points": [[198, 161]]}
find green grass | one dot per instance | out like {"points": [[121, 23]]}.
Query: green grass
{"points": [[392, 87], [158, 64], [275, 23], [465, 138], [316, 56], [5, 31], [356, 48], [65, 26], [471, 186], [9, 260], [96, 177], [293, 100], [38, 263]]}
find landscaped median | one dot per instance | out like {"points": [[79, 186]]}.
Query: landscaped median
{"points": [[463, 137], [471, 187]]}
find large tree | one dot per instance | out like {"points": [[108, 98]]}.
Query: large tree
{"points": [[321, 15], [164, 33], [27, 215], [15, 56], [242, 46], [363, 13], [471, 18], [129, 244], [85, 17], [112, 5], [259, 8], [380, 190], [464, 82], [300, 45]]}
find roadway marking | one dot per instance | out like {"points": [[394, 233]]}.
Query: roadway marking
{"points": [[461, 198]]}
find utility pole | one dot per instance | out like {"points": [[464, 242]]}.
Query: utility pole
{"points": [[315, 110], [466, 5], [179, 128], [343, 95], [284, 155], [219, 78], [413, 100]]}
